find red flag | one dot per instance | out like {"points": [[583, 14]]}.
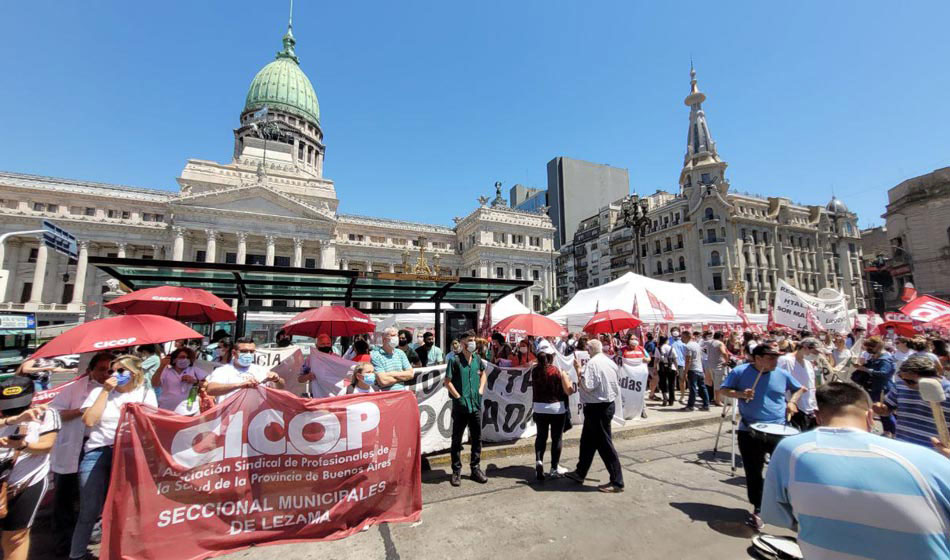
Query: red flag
{"points": [[873, 323], [909, 293], [262, 467], [927, 309], [770, 324], [660, 306], [740, 310], [814, 324]]}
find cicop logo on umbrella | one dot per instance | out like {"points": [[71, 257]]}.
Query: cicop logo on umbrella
{"points": [[117, 342]]}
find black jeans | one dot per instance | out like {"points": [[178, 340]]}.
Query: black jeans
{"points": [[556, 424], [596, 437], [753, 452], [461, 419], [65, 510], [667, 383]]}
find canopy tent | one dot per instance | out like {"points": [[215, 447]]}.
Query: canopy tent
{"points": [[506, 307], [754, 318], [687, 304], [423, 319]]}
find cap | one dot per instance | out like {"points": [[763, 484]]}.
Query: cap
{"points": [[16, 392], [765, 349], [546, 347], [811, 343]]}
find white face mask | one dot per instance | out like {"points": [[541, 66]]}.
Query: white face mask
{"points": [[394, 341], [811, 357], [182, 363], [470, 346]]}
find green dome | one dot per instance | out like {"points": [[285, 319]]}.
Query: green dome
{"points": [[282, 85]]}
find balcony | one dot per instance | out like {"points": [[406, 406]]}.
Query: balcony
{"points": [[719, 264], [44, 307], [713, 240], [712, 218]]}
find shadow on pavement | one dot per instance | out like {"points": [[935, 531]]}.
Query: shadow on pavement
{"points": [[723, 520], [524, 475]]}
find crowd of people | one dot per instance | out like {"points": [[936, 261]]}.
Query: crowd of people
{"points": [[828, 386]]}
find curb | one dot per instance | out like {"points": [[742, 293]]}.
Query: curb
{"points": [[523, 446]]}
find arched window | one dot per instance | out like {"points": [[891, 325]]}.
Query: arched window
{"points": [[682, 263], [709, 214], [659, 267], [714, 258]]}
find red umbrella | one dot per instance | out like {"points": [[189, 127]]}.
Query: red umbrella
{"points": [[611, 321], [185, 304], [331, 320], [116, 332], [530, 324]]}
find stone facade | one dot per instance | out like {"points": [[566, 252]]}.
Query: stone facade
{"points": [[270, 205], [712, 237], [918, 230]]}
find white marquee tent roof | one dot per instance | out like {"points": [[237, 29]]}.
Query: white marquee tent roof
{"points": [[424, 319], [687, 303], [506, 307]]}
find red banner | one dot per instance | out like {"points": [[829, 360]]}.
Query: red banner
{"points": [[261, 468], [928, 309], [47, 396], [660, 306]]}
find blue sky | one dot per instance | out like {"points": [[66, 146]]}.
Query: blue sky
{"points": [[424, 105]]}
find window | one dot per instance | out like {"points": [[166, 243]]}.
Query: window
{"points": [[126, 214], [669, 244], [659, 267], [669, 265], [52, 207], [377, 239], [38, 207], [474, 273], [705, 178], [517, 239], [415, 242], [717, 281], [256, 259], [398, 241], [230, 258], [146, 217], [657, 251], [357, 237], [112, 214], [682, 263], [90, 211], [518, 274], [26, 291], [499, 272], [159, 217], [755, 236], [471, 240], [500, 237], [679, 240], [201, 256], [714, 259], [535, 275], [300, 151], [310, 263], [146, 257], [67, 294], [33, 254], [709, 214], [279, 303], [281, 261], [710, 235], [535, 241], [536, 302]]}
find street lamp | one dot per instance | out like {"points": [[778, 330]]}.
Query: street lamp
{"points": [[633, 210]]}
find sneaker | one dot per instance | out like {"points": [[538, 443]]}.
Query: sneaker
{"points": [[456, 479], [575, 476], [643, 413], [704, 408], [539, 471], [96, 536], [478, 476], [754, 521], [688, 408], [554, 473], [610, 488]]}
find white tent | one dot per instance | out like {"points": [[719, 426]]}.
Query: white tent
{"points": [[687, 304], [754, 318], [506, 307], [423, 319]]}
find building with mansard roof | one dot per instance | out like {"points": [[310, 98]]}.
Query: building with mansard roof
{"points": [[271, 204], [723, 242]]}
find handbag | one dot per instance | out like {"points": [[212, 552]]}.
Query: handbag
{"points": [[5, 487], [567, 415]]}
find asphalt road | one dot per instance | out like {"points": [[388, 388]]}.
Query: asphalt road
{"points": [[680, 503]]}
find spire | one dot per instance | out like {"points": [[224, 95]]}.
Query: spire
{"points": [[698, 138], [289, 41]]}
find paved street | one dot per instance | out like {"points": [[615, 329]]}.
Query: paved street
{"points": [[679, 504]]}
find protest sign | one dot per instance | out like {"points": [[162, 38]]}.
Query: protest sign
{"points": [[260, 468], [506, 404], [577, 410], [792, 306], [633, 376], [928, 309], [435, 408]]}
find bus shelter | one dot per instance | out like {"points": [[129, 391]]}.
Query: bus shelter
{"points": [[249, 286]]}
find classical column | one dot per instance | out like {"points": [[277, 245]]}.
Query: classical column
{"points": [[327, 254], [178, 250], [80, 285], [157, 251], [242, 247], [122, 247], [269, 258], [344, 264], [8, 280], [298, 252], [39, 274], [211, 249]]}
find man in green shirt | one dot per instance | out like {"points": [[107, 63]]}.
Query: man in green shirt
{"points": [[465, 380]]}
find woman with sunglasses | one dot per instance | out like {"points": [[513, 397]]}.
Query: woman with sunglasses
{"points": [[100, 413], [176, 376]]}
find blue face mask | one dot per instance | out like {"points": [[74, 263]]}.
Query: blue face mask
{"points": [[369, 378], [245, 360], [123, 377]]}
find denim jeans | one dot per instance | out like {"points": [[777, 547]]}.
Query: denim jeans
{"points": [[94, 469], [41, 384], [696, 383]]}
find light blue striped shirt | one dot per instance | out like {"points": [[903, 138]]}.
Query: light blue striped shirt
{"points": [[915, 421], [857, 495]]}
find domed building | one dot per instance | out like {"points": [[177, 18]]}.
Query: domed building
{"points": [[271, 204]]}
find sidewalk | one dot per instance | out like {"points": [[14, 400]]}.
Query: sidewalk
{"points": [[659, 419]]}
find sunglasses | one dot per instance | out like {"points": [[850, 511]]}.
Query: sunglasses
{"points": [[119, 370]]}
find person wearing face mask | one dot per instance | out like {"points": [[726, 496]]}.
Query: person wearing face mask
{"points": [[524, 355], [100, 413], [760, 389], [325, 344], [363, 379], [176, 376], [429, 354], [405, 341], [222, 352], [390, 363], [283, 340], [801, 365], [465, 381], [64, 459], [241, 373], [875, 373], [853, 494]]}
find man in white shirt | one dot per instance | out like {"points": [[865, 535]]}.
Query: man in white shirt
{"points": [[801, 365], [241, 373], [598, 387], [64, 459]]}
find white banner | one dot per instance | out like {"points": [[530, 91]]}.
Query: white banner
{"points": [[435, 408], [577, 410], [633, 382], [506, 405], [792, 305]]}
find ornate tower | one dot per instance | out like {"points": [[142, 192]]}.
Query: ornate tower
{"points": [[701, 164]]}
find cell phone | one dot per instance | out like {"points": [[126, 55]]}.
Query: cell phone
{"points": [[16, 437]]}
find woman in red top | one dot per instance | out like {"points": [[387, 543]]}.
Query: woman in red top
{"points": [[523, 356], [550, 388], [361, 349], [633, 351]]}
